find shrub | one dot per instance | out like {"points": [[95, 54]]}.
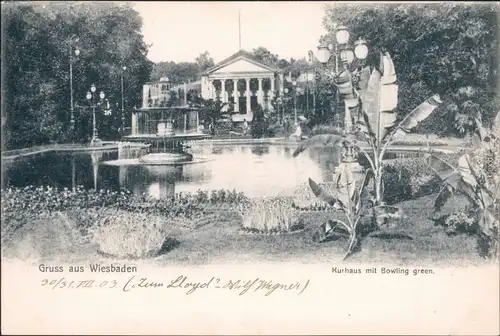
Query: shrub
{"points": [[24, 203], [133, 235], [270, 215], [407, 179], [461, 222], [274, 129]]}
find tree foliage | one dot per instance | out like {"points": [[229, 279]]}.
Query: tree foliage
{"points": [[36, 43], [183, 72], [438, 48]]}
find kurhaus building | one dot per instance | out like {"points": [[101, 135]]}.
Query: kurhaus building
{"points": [[240, 80]]}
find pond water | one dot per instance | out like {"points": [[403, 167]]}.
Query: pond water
{"points": [[256, 170]]}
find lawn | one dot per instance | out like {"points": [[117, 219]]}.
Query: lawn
{"points": [[217, 238]]}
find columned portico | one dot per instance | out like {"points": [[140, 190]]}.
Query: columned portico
{"points": [[260, 92], [271, 93], [223, 90], [248, 76], [236, 95], [248, 92]]}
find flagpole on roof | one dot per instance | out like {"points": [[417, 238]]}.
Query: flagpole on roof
{"points": [[239, 29]]}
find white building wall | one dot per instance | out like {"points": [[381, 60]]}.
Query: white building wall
{"points": [[205, 87]]}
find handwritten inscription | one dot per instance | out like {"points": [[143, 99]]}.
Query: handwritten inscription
{"points": [[242, 287]]}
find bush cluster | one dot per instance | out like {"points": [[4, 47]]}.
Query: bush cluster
{"points": [[407, 179]]}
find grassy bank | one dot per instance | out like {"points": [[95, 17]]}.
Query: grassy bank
{"points": [[216, 237]]}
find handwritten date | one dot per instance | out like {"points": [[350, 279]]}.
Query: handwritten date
{"points": [[66, 283]]}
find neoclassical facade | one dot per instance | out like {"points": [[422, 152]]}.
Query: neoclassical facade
{"points": [[244, 82], [240, 80]]}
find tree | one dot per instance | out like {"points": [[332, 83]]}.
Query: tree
{"points": [[204, 61], [176, 72], [260, 123], [265, 56], [37, 91], [438, 48], [182, 72]]}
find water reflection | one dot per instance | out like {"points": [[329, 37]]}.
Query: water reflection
{"points": [[328, 159], [61, 170], [155, 181], [260, 150], [96, 158], [257, 170]]}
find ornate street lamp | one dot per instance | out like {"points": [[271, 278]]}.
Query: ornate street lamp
{"points": [[298, 92], [342, 54], [278, 103], [360, 49], [287, 99], [95, 141], [123, 108], [311, 78], [72, 39]]}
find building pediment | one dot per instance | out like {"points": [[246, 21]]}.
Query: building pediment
{"points": [[242, 65], [241, 62]]}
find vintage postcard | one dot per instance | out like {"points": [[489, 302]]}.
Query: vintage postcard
{"points": [[230, 168]]}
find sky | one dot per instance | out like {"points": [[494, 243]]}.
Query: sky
{"points": [[180, 31]]}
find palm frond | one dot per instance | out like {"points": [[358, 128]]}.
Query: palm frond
{"points": [[419, 114], [443, 196], [323, 195]]}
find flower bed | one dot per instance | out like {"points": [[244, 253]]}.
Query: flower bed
{"points": [[270, 216], [23, 203], [133, 235]]}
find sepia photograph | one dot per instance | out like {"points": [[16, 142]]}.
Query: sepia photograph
{"points": [[261, 167]]}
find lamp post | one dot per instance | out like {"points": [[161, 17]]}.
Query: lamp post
{"points": [[95, 141], [278, 103], [310, 79], [72, 39], [341, 52], [294, 83], [123, 108], [287, 100], [299, 92], [337, 123]]}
